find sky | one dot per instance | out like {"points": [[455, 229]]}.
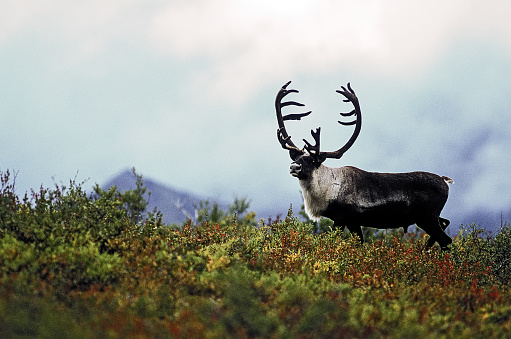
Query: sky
{"points": [[184, 92]]}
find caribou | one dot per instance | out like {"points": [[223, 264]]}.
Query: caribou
{"points": [[352, 197]]}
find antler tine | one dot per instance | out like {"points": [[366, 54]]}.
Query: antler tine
{"points": [[285, 141], [283, 137], [282, 93], [350, 96], [346, 92], [313, 149]]}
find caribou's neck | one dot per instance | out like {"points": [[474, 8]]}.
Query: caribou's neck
{"points": [[323, 186]]}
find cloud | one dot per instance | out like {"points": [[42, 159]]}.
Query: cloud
{"points": [[490, 175], [244, 45], [252, 45], [184, 90]]}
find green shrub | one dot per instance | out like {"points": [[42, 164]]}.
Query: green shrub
{"points": [[475, 248], [96, 265]]}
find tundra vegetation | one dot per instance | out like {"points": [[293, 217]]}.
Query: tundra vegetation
{"points": [[81, 265]]}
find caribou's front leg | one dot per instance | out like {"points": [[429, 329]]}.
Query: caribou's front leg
{"points": [[358, 231]]}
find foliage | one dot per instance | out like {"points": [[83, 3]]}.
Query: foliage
{"points": [[133, 201], [237, 212], [74, 265], [323, 225]]}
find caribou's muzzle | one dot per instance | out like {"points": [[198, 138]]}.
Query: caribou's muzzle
{"points": [[295, 169]]}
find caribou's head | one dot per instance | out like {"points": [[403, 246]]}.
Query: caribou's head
{"points": [[306, 160]]}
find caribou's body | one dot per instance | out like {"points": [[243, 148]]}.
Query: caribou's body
{"points": [[353, 197]]}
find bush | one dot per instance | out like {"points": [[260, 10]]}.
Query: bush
{"points": [[474, 248], [96, 265]]}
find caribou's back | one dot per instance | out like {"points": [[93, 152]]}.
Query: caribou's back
{"points": [[382, 200]]}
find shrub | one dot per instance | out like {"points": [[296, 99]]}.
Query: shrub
{"points": [[85, 265]]}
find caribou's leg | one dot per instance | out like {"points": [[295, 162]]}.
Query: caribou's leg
{"points": [[358, 231], [435, 228], [443, 223]]}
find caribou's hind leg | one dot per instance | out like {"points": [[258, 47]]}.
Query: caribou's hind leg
{"points": [[435, 228], [443, 223]]}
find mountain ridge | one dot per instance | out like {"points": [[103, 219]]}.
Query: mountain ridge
{"points": [[177, 206]]}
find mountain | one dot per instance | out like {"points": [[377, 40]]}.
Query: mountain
{"points": [[176, 206]]}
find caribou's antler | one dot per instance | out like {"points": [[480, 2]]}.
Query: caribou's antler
{"points": [[282, 136], [350, 97], [314, 150]]}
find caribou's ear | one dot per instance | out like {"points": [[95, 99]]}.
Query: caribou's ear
{"points": [[294, 154]]}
